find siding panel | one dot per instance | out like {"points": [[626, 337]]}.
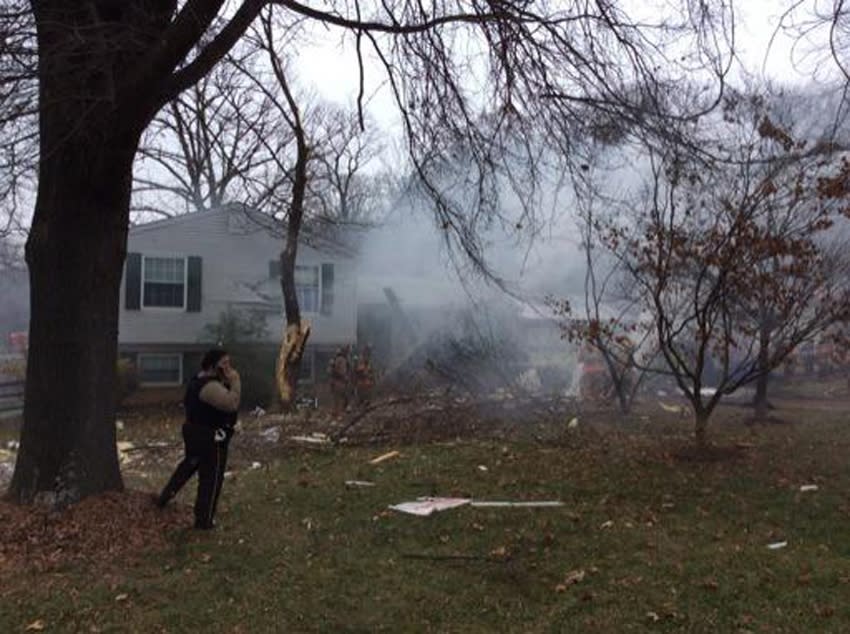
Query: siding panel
{"points": [[231, 261]]}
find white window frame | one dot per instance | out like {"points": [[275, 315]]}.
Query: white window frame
{"points": [[185, 283], [318, 268], [179, 356]]}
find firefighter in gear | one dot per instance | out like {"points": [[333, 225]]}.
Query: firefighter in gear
{"points": [[211, 404], [364, 377], [340, 375]]}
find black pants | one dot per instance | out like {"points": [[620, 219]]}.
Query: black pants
{"points": [[209, 459]]}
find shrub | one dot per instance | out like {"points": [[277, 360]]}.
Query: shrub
{"points": [[127, 379], [256, 366]]}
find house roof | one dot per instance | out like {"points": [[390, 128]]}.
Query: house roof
{"points": [[321, 240]]}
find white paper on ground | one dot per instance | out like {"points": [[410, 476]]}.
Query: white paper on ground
{"points": [[426, 506]]}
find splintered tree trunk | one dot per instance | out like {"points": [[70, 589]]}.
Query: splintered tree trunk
{"points": [[296, 331], [75, 253]]}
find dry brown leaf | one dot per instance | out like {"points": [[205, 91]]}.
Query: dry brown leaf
{"points": [[574, 576], [36, 626]]}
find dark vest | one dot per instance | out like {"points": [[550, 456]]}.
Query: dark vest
{"points": [[201, 413]]}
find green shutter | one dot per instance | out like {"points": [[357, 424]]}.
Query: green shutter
{"points": [[193, 293], [327, 288], [133, 282]]}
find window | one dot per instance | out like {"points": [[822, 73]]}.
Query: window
{"points": [[163, 282], [307, 288], [160, 369]]}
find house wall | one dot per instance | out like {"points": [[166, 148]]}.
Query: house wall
{"points": [[230, 257], [14, 304], [234, 251]]}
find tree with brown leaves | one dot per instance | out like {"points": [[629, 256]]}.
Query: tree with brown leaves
{"points": [[729, 260]]}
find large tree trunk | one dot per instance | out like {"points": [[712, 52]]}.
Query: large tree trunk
{"points": [[77, 243], [104, 69], [75, 254]]}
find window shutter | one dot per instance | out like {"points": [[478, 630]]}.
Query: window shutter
{"points": [[193, 293], [327, 288], [274, 269], [133, 282]]}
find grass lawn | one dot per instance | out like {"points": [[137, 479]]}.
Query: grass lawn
{"points": [[650, 539]]}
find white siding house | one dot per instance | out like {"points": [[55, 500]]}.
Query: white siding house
{"points": [[182, 273]]}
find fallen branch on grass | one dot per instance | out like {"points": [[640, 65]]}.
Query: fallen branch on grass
{"points": [[360, 414]]}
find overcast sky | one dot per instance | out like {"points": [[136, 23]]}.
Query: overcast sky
{"points": [[332, 68], [762, 50]]}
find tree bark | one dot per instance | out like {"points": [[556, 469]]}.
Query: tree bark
{"points": [[104, 69], [700, 427], [296, 332], [75, 253], [760, 402]]}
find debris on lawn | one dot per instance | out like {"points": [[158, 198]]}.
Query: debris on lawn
{"points": [[271, 434], [383, 457], [123, 447], [573, 423], [424, 506], [482, 467], [36, 626], [359, 483], [673, 409], [316, 438], [258, 412], [777, 545], [256, 465], [505, 504], [573, 577], [808, 487]]}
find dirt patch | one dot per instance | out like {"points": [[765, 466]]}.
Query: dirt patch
{"points": [[100, 529]]}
